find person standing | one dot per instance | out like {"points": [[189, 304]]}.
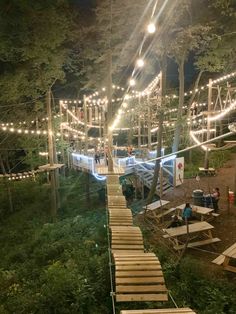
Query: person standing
{"points": [[215, 199]]}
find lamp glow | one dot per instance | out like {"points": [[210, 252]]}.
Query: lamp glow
{"points": [[131, 82], [151, 28], [140, 63]]}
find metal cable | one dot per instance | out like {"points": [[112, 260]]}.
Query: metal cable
{"points": [[112, 293]]}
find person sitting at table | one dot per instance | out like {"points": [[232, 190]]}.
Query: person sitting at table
{"points": [[187, 212], [215, 199], [176, 222]]}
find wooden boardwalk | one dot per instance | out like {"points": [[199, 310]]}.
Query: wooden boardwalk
{"points": [[138, 275]]}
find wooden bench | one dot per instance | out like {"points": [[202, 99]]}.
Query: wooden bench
{"points": [[160, 311], [202, 228], [197, 243], [154, 205], [225, 258], [165, 213]]}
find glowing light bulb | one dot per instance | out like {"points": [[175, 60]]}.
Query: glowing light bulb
{"points": [[131, 82], [151, 28], [140, 63]]}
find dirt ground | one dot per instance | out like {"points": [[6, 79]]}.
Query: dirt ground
{"points": [[225, 224]]}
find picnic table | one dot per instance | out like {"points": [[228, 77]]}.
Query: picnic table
{"points": [[225, 258], [154, 205], [206, 171], [204, 212], [199, 229]]}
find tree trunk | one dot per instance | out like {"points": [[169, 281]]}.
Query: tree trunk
{"points": [[160, 129], [194, 92], [177, 133], [8, 188]]}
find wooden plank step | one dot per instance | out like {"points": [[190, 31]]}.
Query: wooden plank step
{"points": [[136, 258], [141, 297], [125, 251], [126, 230], [149, 288], [144, 254], [139, 280], [197, 243], [127, 247], [127, 238], [119, 218], [150, 262], [121, 223], [131, 241], [125, 212], [160, 311], [138, 267], [138, 273]]}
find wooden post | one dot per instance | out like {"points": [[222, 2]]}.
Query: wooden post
{"points": [[51, 156], [142, 189], [11, 208], [206, 162], [149, 126], [228, 203], [109, 112], [139, 132], [161, 181], [85, 126]]}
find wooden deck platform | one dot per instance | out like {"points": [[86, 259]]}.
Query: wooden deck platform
{"points": [[139, 277]]}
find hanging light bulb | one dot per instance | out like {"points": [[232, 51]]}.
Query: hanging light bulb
{"points": [[131, 82], [151, 28], [140, 63]]}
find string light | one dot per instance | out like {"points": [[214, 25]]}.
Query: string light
{"points": [[132, 82], [140, 63], [151, 28], [23, 131]]}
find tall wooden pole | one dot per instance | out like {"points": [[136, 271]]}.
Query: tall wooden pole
{"points": [[85, 126], [149, 125], [51, 156], [139, 127], [109, 112], [206, 162]]}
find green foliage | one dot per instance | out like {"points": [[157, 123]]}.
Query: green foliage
{"points": [[57, 267], [219, 158]]}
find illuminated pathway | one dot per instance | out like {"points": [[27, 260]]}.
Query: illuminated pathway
{"points": [[138, 274]]}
